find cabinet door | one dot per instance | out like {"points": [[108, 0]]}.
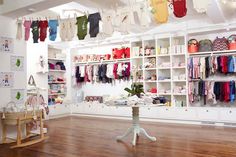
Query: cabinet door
{"points": [[228, 115], [207, 114]]}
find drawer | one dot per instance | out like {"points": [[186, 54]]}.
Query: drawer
{"points": [[186, 114], [166, 113], [208, 114], [228, 115], [148, 112]]}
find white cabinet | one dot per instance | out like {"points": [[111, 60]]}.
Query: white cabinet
{"points": [[228, 115]]}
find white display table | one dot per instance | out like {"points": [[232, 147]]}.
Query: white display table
{"points": [[135, 129]]}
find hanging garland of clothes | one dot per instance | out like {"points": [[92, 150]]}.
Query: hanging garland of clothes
{"points": [[119, 19], [103, 73]]}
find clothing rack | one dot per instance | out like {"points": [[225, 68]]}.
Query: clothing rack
{"points": [[213, 53], [104, 62], [211, 80]]}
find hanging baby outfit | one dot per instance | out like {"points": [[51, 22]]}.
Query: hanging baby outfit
{"points": [[201, 5], [53, 24], [82, 23], [107, 26], [35, 31], [93, 20], [126, 18], [27, 25], [19, 29], [67, 29], [43, 26], [143, 14], [160, 10]]}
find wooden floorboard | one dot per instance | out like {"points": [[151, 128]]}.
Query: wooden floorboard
{"points": [[95, 137]]}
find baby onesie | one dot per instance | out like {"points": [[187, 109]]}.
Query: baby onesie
{"points": [[27, 25], [143, 14], [43, 25], [81, 23], [63, 29], [107, 26], [53, 29], [93, 20], [160, 10], [201, 5], [19, 29], [35, 30], [70, 29]]}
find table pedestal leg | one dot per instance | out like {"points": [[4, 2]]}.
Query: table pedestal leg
{"points": [[136, 129]]}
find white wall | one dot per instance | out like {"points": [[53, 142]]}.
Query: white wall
{"points": [[34, 51], [8, 29]]}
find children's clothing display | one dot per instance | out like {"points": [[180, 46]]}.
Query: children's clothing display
{"points": [[27, 25], [81, 23], [19, 29], [43, 26], [104, 73], [53, 24], [93, 20], [203, 67], [211, 91], [35, 31]]}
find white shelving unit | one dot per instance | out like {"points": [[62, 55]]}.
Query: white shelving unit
{"points": [[54, 56], [164, 53]]}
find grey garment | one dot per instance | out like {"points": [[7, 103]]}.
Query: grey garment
{"points": [[95, 73], [93, 20]]}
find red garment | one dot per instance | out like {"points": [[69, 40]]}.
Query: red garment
{"points": [[43, 25], [115, 71], [127, 52], [180, 9], [226, 92], [118, 53], [224, 64]]}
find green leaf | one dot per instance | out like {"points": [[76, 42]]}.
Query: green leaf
{"points": [[18, 95], [18, 63]]}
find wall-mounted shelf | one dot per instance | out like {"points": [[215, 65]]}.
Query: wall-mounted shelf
{"points": [[61, 71]]}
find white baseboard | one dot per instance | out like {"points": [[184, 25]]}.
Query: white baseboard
{"points": [[154, 120], [59, 116]]}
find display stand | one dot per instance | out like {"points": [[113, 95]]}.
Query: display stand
{"points": [[135, 129]]}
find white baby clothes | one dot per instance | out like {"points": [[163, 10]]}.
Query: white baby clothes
{"points": [[143, 14], [67, 29], [107, 27], [82, 71], [19, 29], [201, 5], [109, 73]]}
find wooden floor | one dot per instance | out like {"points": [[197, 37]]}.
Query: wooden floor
{"points": [[94, 137]]}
